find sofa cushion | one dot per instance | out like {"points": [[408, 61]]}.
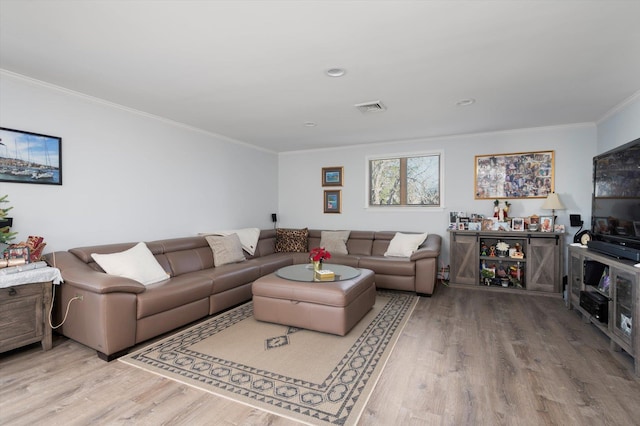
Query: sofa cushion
{"points": [[136, 263], [361, 243], [170, 294], [232, 275], [397, 266], [226, 249], [335, 242], [403, 245], [292, 240]]}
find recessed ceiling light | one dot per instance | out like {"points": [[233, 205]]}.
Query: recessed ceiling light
{"points": [[336, 72], [466, 102], [309, 124]]}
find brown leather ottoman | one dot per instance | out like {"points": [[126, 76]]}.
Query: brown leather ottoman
{"points": [[331, 307]]}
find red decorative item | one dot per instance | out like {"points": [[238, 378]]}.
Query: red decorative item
{"points": [[319, 254]]}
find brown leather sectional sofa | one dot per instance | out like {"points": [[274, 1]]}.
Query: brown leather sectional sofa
{"points": [[117, 313]]}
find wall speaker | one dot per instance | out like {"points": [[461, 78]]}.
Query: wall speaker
{"points": [[575, 220], [274, 217]]}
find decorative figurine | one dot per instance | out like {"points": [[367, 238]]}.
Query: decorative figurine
{"points": [[501, 209]]}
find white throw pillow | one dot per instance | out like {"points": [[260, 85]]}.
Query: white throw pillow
{"points": [[226, 249], [403, 245], [136, 263], [335, 242]]}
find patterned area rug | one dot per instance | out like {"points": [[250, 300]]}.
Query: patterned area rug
{"points": [[311, 377]]}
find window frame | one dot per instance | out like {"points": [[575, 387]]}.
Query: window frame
{"points": [[404, 207]]}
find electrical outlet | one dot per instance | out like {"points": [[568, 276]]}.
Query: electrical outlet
{"points": [[79, 296]]}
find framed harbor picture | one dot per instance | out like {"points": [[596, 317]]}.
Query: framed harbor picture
{"points": [[27, 157], [520, 175]]}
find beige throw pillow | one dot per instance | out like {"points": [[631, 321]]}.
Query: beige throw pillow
{"points": [[248, 237], [335, 242], [227, 249], [137, 263], [403, 245]]}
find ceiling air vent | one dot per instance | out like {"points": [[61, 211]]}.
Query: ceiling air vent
{"points": [[367, 107]]}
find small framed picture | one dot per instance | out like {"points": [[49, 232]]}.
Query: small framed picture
{"points": [[602, 225], [474, 226], [15, 256], [546, 223], [517, 224], [558, 228], [487, 224], [501, 226], [332, 201], [461, 226], [332, 176]]}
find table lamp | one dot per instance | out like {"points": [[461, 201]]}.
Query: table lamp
{"points": [[553, 203]]}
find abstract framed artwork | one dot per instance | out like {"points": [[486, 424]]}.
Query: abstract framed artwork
{"points": [[27, 157], [332, 176], [519, 175], [332, 201]]}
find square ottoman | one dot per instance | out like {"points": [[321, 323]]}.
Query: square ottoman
{"points": [[330, 307]]}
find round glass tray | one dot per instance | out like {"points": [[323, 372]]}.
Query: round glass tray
{"points": [[304, 272]]}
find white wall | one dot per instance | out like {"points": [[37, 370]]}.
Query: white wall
{"points": [[301, 193], [128, 176], [620, 126]]}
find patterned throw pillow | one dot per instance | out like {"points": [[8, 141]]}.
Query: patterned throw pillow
{"points": [[292, 240]]}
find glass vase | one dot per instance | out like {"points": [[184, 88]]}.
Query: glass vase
{"points": [[317, 265]]}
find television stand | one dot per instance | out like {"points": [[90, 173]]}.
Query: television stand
{"points": [[618, 286]]}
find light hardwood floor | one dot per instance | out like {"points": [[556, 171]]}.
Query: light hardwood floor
{"points": [[466, 357]]}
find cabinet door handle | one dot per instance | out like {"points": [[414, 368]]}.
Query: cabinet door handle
{"points": [[12, 291]]}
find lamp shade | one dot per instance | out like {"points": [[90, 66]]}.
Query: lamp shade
{"points": [[553, 202]]}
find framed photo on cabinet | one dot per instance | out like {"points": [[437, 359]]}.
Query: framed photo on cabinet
{"points": [[517, 224], [546, 223]]}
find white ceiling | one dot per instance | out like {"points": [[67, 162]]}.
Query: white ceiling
{"points": [[254, 71]]}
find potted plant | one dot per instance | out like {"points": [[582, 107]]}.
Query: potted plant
{"points": [[488, 274], [5, 225]]}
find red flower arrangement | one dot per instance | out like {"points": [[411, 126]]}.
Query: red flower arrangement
{"points": [[319, 254]]}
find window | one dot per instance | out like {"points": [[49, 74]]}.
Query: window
{"points": [[412, 180]]}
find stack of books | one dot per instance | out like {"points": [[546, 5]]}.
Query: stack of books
{"points": [[324, 275]]}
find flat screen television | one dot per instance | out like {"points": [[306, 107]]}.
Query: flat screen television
{"points": [[615, 208]]}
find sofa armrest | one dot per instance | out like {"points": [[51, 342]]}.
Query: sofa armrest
{"points": [[77, 273], [99, 282], [430, 248]]}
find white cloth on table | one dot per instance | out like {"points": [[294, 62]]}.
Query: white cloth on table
{"points": [[39, 275]]}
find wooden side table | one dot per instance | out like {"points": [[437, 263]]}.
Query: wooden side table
{"points": [[24, 312]]}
